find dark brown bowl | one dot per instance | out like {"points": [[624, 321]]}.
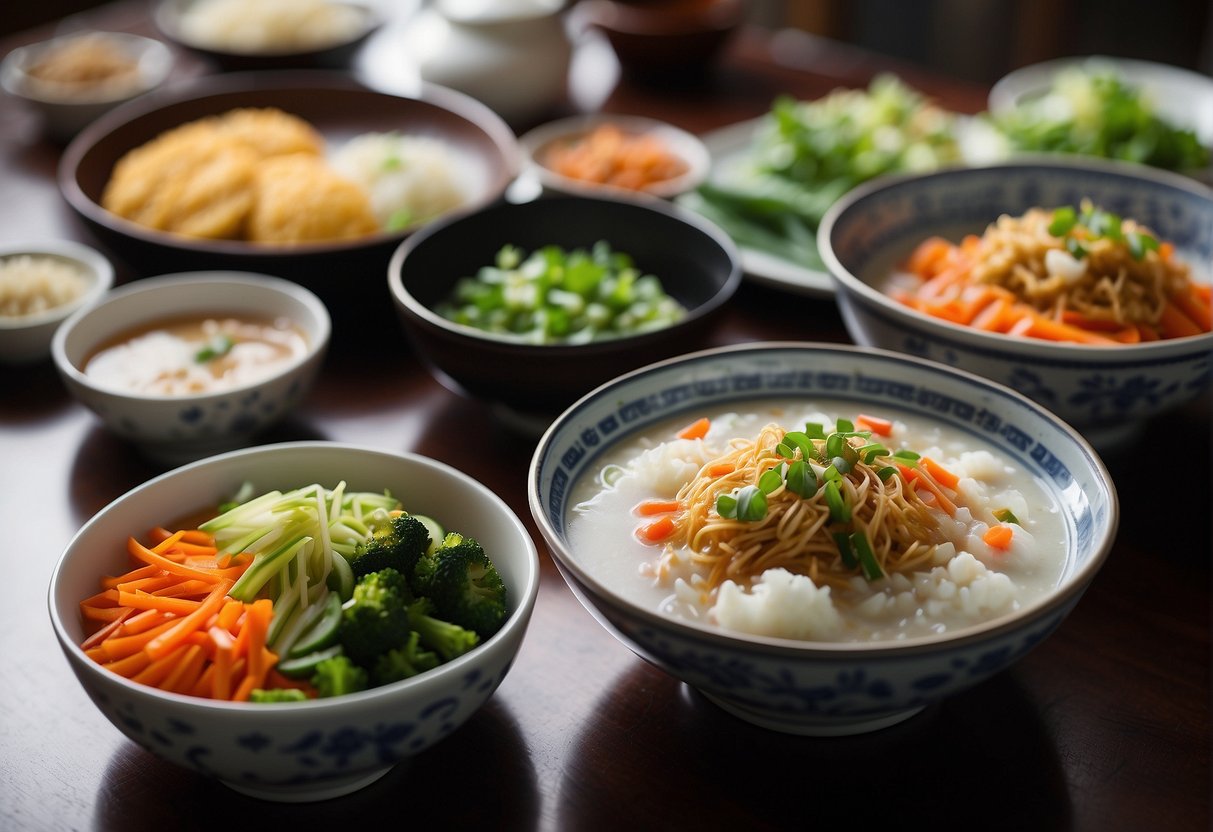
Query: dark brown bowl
{"points": [[696, 262], [167, 16], [340, 109], [665, 40]]}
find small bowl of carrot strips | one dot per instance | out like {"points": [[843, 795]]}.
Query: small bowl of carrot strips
{"points": [[211, 624], [620, 154], [1085, 284]]}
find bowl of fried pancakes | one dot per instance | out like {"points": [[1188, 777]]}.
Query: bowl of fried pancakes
{"points": [[306, 175]]}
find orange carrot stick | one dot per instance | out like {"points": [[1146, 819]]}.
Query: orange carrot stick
{"points": [[167, 641], [721, 469], [658, 530], [998, 537], [1195, 307], [878, 426], [1174, 322], [650, 508], [940, 474], [105, 632], [696, 430], [147, 571], [147, 601], [146, 555]]}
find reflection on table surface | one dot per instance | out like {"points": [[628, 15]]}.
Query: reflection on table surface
{"points": [[1104, 726]]}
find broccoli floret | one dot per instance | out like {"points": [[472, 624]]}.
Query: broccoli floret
{"points": [[448, 640], [376, 619], [463, 584], [403, 662], [398, 544], [277, 695], [338, 676]]}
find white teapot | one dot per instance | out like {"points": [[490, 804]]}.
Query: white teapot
{"points": [[512, 55]]}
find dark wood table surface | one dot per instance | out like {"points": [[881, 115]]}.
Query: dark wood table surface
{"points": [[1104, 726]]}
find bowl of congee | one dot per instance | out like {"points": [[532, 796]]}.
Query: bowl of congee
{"points": [[188, 365], [1084, 284], [821, 539]]}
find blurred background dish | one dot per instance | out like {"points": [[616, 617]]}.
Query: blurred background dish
{"points": [[529, 381], [304, 750], [848, 681], [1120, 108], [73, 79], [239, 35], [338, 110], [664, 41], [41, 284], [626, 155], [1108, 392], [178, 400]]}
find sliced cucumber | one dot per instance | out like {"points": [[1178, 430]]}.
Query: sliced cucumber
{"points": [[305, 666], [436, 531], [341, 579], [321, 634]]}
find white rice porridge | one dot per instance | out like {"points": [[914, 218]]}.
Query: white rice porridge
{"points": [[964, 582]]}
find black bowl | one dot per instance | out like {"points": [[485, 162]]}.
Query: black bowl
{"points": [[696, 262], [340, 109]]}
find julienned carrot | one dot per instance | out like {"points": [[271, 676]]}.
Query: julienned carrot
{"points": [[721, 469], [998, 537], [105, 632], [1035, 325], [148, 571], [928, 257], [147, 601], [164, 643], [1195, 307], [658, 530], [650, 508], [878, 426], [940, 474], [141, 552], [696, 430], [912, 476], [1175, 323]]}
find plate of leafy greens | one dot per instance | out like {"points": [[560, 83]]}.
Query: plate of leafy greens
{"points": [[774, 177], [1131, 110]]}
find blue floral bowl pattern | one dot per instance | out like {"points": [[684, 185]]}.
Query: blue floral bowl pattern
{"points": [[817, 688], [1106, 393], [322, 748]]}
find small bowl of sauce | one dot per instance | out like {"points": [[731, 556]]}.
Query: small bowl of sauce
{"points": [[187, 365]]}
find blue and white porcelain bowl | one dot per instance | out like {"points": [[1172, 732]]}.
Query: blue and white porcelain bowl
{"points": [[822, 688], [1106, 393], [323, 748], [181, 428]]}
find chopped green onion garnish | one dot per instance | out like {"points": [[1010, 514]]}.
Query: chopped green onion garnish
{"points": [[814, 430], [1140, 243], [886, 472], [1005, 515], [1064, 219], [840, 512], [834, 443], [872, 450], [802, 479], [1075, 248], [906, 455], [843, 541], [842, 465], [399, 220], [844, 426], [217, 347], [746, 503], [769, 481], [867, 559], [611, 474]]}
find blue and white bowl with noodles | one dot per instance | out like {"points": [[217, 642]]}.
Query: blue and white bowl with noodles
{"points": [[1106, 392], [821, 539]]}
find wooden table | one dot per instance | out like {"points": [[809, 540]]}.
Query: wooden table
{"points": [[1104, 726]]}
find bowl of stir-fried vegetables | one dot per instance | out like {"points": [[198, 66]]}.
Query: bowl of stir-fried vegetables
{"points": [[295, 619]]}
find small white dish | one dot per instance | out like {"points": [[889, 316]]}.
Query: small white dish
{"points": [[547, 138], [66, 108], [26, 339], [180, 428]]}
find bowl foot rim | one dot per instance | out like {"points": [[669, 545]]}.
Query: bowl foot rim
{"points": [[812, 726], [312, 791]]}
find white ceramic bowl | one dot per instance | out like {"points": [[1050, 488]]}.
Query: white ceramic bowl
{"points": [[66, 110], [322, 748], [816, 687], [542, 140], [1106, 393], [177, 429], [27, 338]]}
